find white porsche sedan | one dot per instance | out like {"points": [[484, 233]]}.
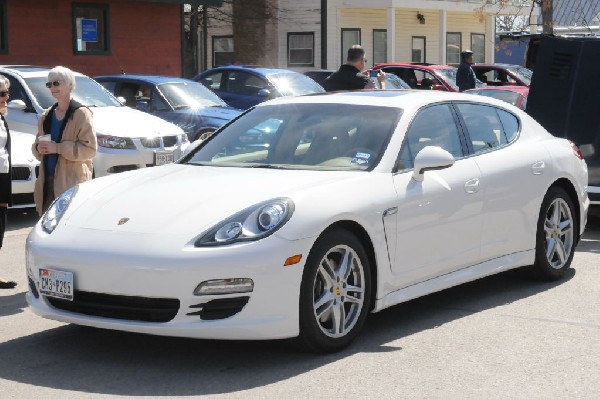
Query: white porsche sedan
{"points": [[305, 214]]}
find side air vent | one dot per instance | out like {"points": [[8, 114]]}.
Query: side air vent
{"points": [[560, 66]]}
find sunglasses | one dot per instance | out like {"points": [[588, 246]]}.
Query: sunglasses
{"points": [[54, 83], [3, 93]]}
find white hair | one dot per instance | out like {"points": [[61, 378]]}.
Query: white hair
{"points": [[64, 74]]}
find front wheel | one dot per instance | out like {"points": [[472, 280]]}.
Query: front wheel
{"points": [[335, 294], [556, 235]]}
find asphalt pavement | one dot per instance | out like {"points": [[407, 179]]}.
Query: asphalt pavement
{"points": [[503, 336]]}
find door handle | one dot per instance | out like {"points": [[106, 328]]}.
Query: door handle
{"points": [[472, 186]]}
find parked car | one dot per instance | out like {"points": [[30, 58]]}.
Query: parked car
{"points": [[127, 139], [243, 87], [319, 75], [184, 102], [503, 74], [515, 95], [423, 76], [392, 82], [25, 169], [362, 200]]}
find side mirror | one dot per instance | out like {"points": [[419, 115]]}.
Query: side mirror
{"points": [[431, 158], [264, 93], [142, 105], [18, 105], [122, 100], [437, 86]]}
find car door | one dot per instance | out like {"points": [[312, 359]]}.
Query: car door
{"points": [[512, 194], [438, 220]]}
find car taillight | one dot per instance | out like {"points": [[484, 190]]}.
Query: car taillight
{"points": [[576, 150]]}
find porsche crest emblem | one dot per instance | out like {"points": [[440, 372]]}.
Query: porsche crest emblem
{"points": [[122, 221]]}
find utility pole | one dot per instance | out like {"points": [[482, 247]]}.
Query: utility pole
{"points": [[547, 16]]}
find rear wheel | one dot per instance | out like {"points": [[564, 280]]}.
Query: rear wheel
{"points": [[335, 293], [556, 235]]}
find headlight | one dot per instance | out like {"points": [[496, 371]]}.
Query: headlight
{"points": [[57, 209], [251, 224], [123, 143]]}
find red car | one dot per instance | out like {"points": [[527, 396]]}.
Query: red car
{"points": [[503, 74], [423, 76], [515, 95]]}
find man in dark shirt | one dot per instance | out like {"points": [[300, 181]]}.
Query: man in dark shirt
{"points": [[465, 76], [350, 76]]}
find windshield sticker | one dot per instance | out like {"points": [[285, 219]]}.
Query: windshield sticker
{"points": [[361, 158]]}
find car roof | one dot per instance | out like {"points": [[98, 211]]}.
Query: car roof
{"points": [[403, 99], [414, 65], [497, 65], [31, 70], [257, 70], [154, 79]]}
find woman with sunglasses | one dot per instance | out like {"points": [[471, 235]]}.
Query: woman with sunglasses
{"points": [[5, 167], [65, 142]]}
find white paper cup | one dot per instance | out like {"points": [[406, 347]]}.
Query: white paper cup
{"points": [[45, 137]]}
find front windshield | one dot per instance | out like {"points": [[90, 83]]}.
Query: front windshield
{"points": [[302, 136], [523, 73], [189, 95], [87, 92], [449, 76], [294, 84]]}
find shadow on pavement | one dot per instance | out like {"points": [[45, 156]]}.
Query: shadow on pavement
{"points": [[117, 363]]}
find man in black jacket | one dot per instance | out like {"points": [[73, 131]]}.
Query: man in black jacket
{"points": [[465, 76], [350, 76]]}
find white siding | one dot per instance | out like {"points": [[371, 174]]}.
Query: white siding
{"points": [[298, 16]]}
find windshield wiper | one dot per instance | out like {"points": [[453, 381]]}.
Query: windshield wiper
{"points": [[182, 107]]}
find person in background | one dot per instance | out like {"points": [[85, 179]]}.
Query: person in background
{"points": [[350, 76], [465, 76], [65, 143], [5, 168]]}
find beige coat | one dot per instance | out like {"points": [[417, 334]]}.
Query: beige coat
{"points": [[76, 150]]}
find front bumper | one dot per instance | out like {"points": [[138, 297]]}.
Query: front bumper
{"points": [[153, 267]]}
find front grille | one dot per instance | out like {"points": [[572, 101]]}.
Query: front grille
{"points": [[22, 199], [153, 142], [594, 196], [157, 310], [170, 141], [122, 168], [21, 173], [219, 308]]}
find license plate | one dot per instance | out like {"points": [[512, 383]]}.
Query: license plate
{"points": [[56, 284], [161, 158]]}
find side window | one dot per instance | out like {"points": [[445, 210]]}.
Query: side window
{"points": [[157, 103], [486, 130], [510, 124], [244, 83], [432, 126], [213, 81]]}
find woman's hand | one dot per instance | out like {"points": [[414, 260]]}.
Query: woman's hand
{"points": [[47, 147]]}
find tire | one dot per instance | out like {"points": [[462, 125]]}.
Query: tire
{"points": [[331, 291], [556, 237]]}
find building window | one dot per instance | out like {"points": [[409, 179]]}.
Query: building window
{"points": [[90, 28], [478, 47], [379, 46], [453, 47], [3, 28], [418, 49], [350, 37], [222, 50], [301, 49]]}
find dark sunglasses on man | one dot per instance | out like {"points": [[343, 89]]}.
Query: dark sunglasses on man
{"points": [[53, 83], [3, 93]]}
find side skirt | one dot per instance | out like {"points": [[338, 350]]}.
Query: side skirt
{"points": [[458, 277]]}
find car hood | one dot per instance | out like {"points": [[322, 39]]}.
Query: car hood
{"points": [[185, 199], [20, 151], [223, 113], [129, 122]]}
